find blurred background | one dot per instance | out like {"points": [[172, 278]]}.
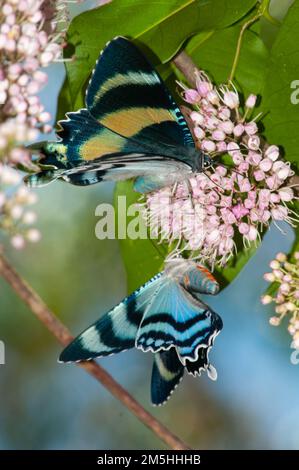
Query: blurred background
{"points": [[46, 405]]}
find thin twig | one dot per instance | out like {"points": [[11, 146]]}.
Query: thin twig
{"points": [[185, 64], [262, 10], [239, 44], [59, 330]]}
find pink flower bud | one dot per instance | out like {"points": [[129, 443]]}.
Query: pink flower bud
{"points": [[291, 307], [255, 215], [7, 9], [11, 45], [218, 135], [33, 88], [284, 288], [33, 235], [274, 264], [252, 195], [17, 242], [252, 234], [208, 145], [274, 321], [259, 175], [232, 147], [23, 80], [36, 17], [243, 167], [199, 133], [5, 29], [251, 128], [281, 257], [221, 146], [224, 113], [47, 57], [253, 142], [46, 129], [239, 211], [286, 194], [275, 198], [254, 157], [3, 96], [31, 64], [272, 181], [266, 215], [251, 101], [226, 126], [265, 164], [221, 170], [244, 185], [264, 195], [11, 19], [249, 204], [214, 220], [213, 97], [203, 87], [14, 70], [279, 213], [237, 158], [212, 123], [272, 152], [284, 172], [44, 117], [243, 228], [191, 96], [197, 117], [42, 77], [238, 130], [266, 299], [269, 277], [231, 99], [214, 236], [211, 210]]}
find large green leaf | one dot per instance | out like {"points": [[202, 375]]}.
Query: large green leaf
{"points": [[282, 118], [214, 53], [141, 258], [163, 27]]}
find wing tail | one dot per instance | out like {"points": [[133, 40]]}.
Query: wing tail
{"points": [[167, 373]]}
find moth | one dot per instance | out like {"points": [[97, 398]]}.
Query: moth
{"points": [[131, 128], [165, 316]]}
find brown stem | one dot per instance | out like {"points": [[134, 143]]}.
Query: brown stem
{"points": [[59, 330], [185, 64]]}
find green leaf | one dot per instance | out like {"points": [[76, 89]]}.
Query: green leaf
{"points": [[282, 118], [162, 27], [214, 53], [141, 259]]}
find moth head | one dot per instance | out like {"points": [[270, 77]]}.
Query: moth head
{"points": [[207, 161]]}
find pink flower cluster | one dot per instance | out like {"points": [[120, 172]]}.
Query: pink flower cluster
{"points": [[28, 41], [286, 297], [16, 218], [208, 213], [31, 37]]}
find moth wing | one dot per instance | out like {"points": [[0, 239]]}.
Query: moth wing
{"points": [[115, 331], [167, 373], [176, 318], [126, 95]]}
